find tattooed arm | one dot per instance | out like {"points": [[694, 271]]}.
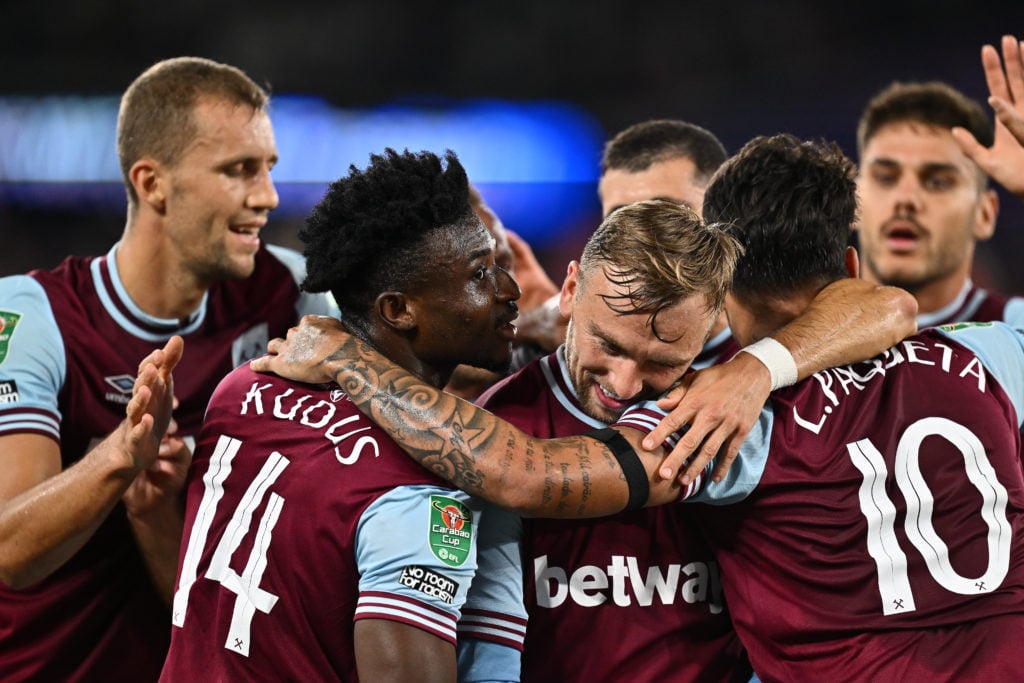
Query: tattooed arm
{"points": [[481, 454]]}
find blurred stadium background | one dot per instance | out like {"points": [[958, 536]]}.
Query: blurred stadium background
{"points": [[525, 92]]}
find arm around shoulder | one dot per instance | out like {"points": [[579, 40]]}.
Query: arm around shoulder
{"points": [[850, 320]]}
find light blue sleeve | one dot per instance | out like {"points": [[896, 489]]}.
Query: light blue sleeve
{"points": [[482, 661], [1001, 349], [33, 363], [1013, 314], [419, 543], [493, 624], [744, 473], [309, 303]]}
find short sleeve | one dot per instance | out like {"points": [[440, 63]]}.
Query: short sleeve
{"points": [[745, 472], [33, 363], [416, 553]]}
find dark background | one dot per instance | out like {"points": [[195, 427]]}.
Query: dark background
{"points": [[739, 68]]}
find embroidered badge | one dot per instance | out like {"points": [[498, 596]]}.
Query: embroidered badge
{"points": [[953, 327], [8, 321], [451, 530]]}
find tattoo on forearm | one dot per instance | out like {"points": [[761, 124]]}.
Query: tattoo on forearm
{"points": [[445, 435]]}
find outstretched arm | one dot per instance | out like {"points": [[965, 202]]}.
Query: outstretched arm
{"points": [[48, 514], [570, 477], [1004, 160], [847, 321]]}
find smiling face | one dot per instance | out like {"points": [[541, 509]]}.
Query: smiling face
{"points": [[672, 179], [220, 191], [615, 360], [467, 304], [922, 209]]}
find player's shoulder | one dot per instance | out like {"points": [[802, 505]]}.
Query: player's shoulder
{"points": [[63, 280], [522, 386], [276, 256], [1013, 311], [246, 379], [26, 307], [277, 271], [978, 336], [24, 289]]}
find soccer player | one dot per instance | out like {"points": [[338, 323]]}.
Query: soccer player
{"points": [[926, 152], [878, 508], [672, 160], [637, 320], [611, 598], [314, 548], [881, 533], [514, 255], [88, 547]]}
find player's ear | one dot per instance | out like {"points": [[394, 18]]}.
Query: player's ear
{"points": [[568, 294], [985, 215], [396, 310], [852, 262], [149, 178]]}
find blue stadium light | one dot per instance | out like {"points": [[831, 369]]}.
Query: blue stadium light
{"points": [[535, 163]]}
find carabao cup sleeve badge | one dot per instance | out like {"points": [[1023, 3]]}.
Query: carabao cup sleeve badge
{"points": [[8, 321], [451, 530]]}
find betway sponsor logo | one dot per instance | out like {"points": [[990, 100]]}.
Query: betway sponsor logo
{"points": [[623, 581]]}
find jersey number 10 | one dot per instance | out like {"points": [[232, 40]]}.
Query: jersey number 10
{"points": [[893, 580]]}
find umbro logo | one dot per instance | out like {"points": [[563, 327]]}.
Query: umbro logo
{"points": [[337, 395], [124, 385]]}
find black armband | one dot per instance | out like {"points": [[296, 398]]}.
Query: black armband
{"points": [[632, 469]]}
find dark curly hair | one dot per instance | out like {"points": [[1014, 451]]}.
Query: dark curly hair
{"points": [[790, 203], [366, 235]]}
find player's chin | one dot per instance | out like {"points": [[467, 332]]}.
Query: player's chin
{"points": [[498, 360], [240, 266]]}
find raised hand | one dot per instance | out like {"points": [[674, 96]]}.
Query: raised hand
{"points": [[161, 456], [1004, 160]]}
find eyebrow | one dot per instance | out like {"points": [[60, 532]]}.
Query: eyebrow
{"points": [[598, 333], [927, 167], [479, 254]]}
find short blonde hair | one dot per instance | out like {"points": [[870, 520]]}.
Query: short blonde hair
{"points": [[661, 253]]}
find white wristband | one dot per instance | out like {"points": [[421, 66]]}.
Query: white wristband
{"points": [[778, 360]]}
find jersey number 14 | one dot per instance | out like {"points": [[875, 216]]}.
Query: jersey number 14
{"points": [[250, 597]]}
